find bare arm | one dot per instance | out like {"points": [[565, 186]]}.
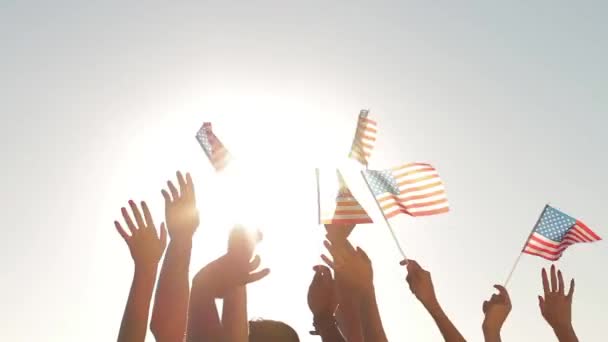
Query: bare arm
{"points": [[348, 314], [146, 249], [225, 277], [356, 268], [322, 303], [169, 317], [135, 318], [234, 315], [370, 317], [421, 285], [445, 325], [204, 321]]}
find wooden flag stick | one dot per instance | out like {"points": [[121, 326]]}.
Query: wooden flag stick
{"points": [[390, 229], [524, 247]]}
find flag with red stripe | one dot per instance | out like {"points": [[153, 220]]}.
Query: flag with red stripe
{"points": [[414, 189], [213, 147], [554, 232], [365, 138], [346, 209]]}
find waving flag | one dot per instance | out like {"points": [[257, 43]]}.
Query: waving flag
{"points": [[213, 147], [344, 207], [414, 189], [365, 138], [554, 232]]}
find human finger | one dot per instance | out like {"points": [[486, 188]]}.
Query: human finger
{"points": [[127, 217]]}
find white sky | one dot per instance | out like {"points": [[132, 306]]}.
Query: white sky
{"points": [[100, 103]]}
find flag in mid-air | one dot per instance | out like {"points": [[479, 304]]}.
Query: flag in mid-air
{"points": [[346, 209], [554, 232], [414, 189], [365, 138], [213, 147]]}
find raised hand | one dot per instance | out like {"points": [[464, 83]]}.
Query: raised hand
{"points": [[420, 282], [355, 274], [556, 306], [145, 245], [496, 311], [170, 314], [235, 268], [180, 208], [322, 300], [352, 266]]}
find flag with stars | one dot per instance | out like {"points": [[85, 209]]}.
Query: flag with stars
{"points": [[213, 147], [554, 232], [414, 189], [365, 138], [344, 209]]}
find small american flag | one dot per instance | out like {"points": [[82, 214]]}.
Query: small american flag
{"points": [[365, 138], [414, 189], [554, 232], [213, 147], [347, 210]]}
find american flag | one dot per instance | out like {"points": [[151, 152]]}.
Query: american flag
{"points": [[414, 189], [554, 232], [213, 147], [348, 210], [365, 138]]}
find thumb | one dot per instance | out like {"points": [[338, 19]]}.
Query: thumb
{"points": [[541, 304]]}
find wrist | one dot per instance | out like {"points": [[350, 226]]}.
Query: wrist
{"points": [[146, 268], [182, 240], [431, 305], [490, 333], [323, 321], [563, 330]]}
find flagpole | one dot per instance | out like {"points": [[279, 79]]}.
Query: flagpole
{"points": [[524, 246], [318, 196], [390, 229]]}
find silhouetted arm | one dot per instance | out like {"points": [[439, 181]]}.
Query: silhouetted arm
{"points": [[234, 315], [327, 328], [203, 322], [445, 325], [146, 249], [169, 317], [370, 317], [421, 285]]}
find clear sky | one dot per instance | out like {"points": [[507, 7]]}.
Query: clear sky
{"points": [[100, 103]]}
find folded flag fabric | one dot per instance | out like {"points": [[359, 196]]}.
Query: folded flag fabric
{"points": [[365, 138], [213, 147], [414, 189], [346, 209], [554, 232]]}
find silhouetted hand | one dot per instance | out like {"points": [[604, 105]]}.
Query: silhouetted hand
{"points": [[496, 311], [352, 265], [338, 232], [145, 245], [420, 282], [235, 268], [556, 306], [180, 208], [321, 296], [242, 242]]}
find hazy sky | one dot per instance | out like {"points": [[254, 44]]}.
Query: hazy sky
{"points": [[100, 103]]}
